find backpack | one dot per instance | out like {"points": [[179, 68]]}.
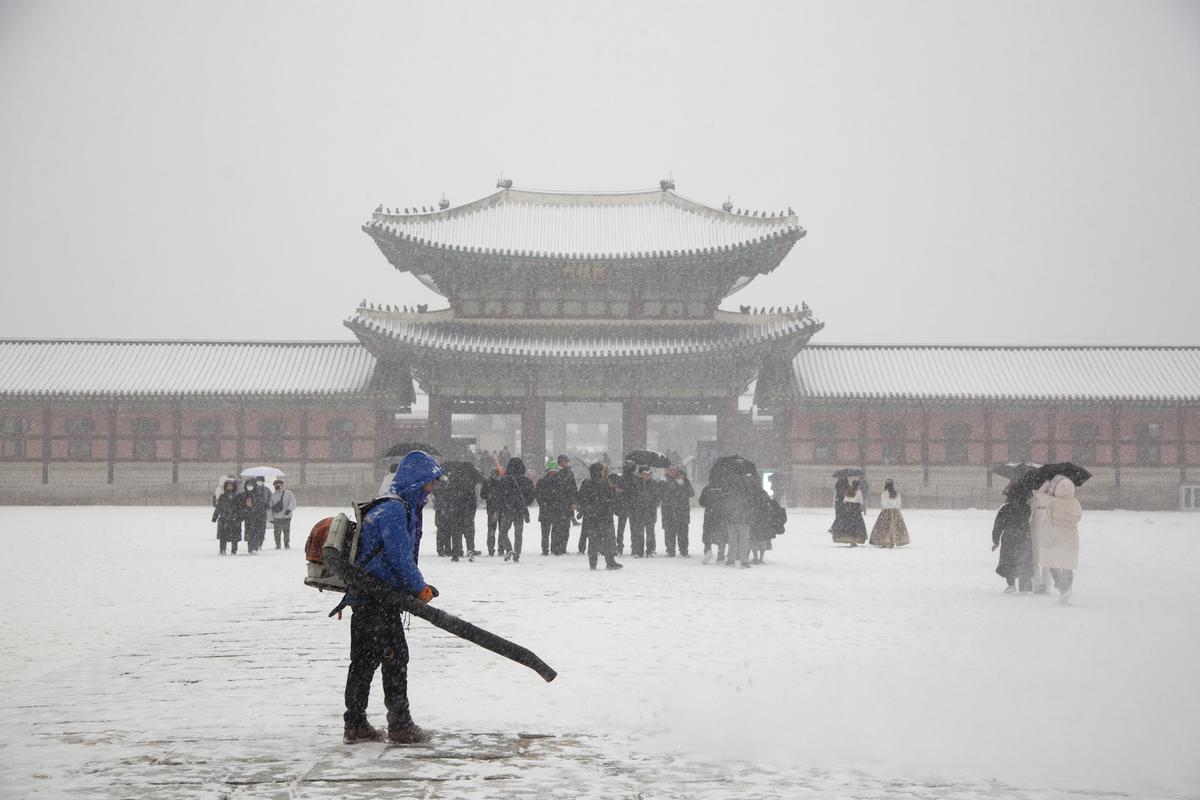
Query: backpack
{"points": [[343, 534]]}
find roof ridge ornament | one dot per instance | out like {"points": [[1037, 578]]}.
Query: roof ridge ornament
{"points": [[504, 183], [667, 184]]}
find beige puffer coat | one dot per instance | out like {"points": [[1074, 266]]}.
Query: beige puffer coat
{"points": [[1059, 546]]}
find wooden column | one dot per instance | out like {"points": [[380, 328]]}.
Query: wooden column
{"points": [[441, 418], [728, 440], [781, 427], [987, 444], [1181, 443], [46, 444], [533, 432], [241, 437], [862, 438], [176, 441], [112, 440], [1051, 435], [1116, 445], [304, 444], [924, 445]]}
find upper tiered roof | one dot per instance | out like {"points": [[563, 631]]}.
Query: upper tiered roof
{"points": [[587, 225], [620, 248]]}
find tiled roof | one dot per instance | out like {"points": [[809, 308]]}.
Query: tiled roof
{"points": [[1151, 374], [593, 226], [157, 368], [555, 339]]}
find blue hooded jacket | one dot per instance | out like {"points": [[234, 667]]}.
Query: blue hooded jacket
{"points": [[397, 525]]}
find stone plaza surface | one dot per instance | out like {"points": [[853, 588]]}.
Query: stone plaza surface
{"points": [[139, 664]]}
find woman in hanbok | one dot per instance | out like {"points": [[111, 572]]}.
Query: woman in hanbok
{"points": [[848, 527], [889, 529]]}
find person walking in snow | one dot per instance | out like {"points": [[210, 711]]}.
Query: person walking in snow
{"points": [[488, 494], [595, 502], [252, 503], [1039, 530], [283, 503], [769, 521], [677, 496], [889, 529], [563, 507], [713, 530], [227, 513], [1010, 534], [848, 527], [643, 514], [388, 545], [514, 495], [1059, 548], [626, 486], [543, 492], [739, 508]]}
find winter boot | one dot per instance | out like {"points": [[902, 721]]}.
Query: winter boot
{"points": [[408, 734], [612, 564], [361, 733]]}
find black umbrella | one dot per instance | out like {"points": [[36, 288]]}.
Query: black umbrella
{"points": [[727, 468], [404, 448], [1014, 471], [1036, 477], [849, 472], [648, 458], [462, 471]]}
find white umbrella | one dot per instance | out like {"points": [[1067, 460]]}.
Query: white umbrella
{"points": [[266, 472]]}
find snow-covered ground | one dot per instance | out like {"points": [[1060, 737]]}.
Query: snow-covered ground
{"points": [[137, 663]]}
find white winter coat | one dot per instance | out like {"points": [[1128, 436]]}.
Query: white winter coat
{"points": [[1059, 547], [887, 501]]}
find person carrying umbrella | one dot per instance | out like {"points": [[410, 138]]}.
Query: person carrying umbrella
{"points": [[1010, 534]]}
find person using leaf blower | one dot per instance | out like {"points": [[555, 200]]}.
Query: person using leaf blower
{"points": [[388, 546]]}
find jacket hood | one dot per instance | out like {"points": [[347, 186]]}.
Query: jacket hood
{"points": [[1062, 487], [516, 467], [417, 469]]}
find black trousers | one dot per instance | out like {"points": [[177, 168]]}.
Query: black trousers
{"points": [[518, 526], [676, 536], [621, 520], [560, 532], [377, 640], [547, 525], [493, 523], [641, 537]]}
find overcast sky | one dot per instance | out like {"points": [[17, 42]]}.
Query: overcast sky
{"points": [[968, 172]]}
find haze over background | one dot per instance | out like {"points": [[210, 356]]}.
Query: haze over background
{"points": [[968, 172]]}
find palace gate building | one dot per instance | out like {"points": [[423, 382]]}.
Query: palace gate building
{"points": [[590, 323]]}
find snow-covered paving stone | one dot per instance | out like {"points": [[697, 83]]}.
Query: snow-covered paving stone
{"points": [[139, 664]]}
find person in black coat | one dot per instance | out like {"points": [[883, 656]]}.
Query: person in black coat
{"points": [[1011, 535], [513, 495], [595, 500], [227, 513], [714, 530], [455, 515], [487, 494], [643, 513], [253, 505], [543, 492], [562, 506], [626, 486], [677, 493]]}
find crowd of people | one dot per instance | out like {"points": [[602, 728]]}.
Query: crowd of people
{"points": [[243, 514], [739, 515]]}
